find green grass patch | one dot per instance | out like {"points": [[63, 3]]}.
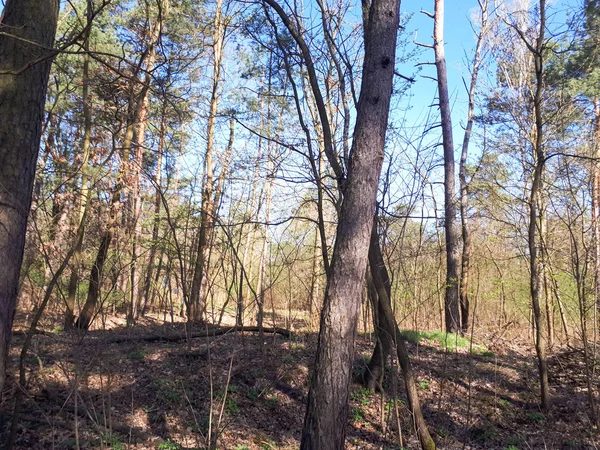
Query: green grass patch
{"points": [[448, 341], [138, 355]]}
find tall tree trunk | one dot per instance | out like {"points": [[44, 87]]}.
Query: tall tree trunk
{"points": [[327, 411], [153, 36], [462, 175], [261, 286], [136, 107], [87, 313], [84, 191], [157, 202], [451, 304], [24, 68], [200, 279], [535, 252], [313, 297], [596, 202]]}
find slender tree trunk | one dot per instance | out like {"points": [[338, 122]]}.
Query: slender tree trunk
{"points": [[24, 68], [327, 411], [200, 279], [84, 191], [87, 313], [373, 376], [596, 202], [462, 175], [534, 240], [313, 298], [137, 293], [157, 202], [388, 336], [249, 244], [261, 286], [451, 304]]}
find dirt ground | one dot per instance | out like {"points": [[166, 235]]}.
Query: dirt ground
{"points": [[96, 392]]}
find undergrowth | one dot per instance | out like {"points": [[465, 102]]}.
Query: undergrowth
{"points": [[448, 341]]}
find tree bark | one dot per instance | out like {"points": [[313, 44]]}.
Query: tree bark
{"points": [[462, 176], [157, 201], [388, 336], [596, 202], [84, 191], [326, 415], [534, 240], [153, 37], [451, 304], [25, 61], [200, 279]]}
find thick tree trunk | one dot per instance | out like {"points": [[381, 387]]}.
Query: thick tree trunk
{"points": [[451, 305], [327, 410], [24, 68]]}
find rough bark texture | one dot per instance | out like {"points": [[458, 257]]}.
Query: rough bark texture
{"points": [[327, 411], [24, 69], [451, 306]]}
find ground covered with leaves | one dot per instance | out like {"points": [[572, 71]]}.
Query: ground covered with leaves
{"points": [[113, 390]]}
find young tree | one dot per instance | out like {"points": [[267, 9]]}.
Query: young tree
{"points": [[451, 303], [462, 171]]}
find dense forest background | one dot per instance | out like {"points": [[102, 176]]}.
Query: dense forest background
{"points": [[192, 171]]}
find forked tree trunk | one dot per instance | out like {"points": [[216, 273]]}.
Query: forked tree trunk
{"points": [[136, 105], [24, 68], [451, 303], [327, 410]]}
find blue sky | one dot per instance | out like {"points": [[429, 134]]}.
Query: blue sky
{"points": [[459, 44]]}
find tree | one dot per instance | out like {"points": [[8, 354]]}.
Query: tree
{"points": [[327, 410], [451, 301], [28, 30], [462, 172]]}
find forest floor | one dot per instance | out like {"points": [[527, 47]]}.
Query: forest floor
{"points": [[112, 390]]}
